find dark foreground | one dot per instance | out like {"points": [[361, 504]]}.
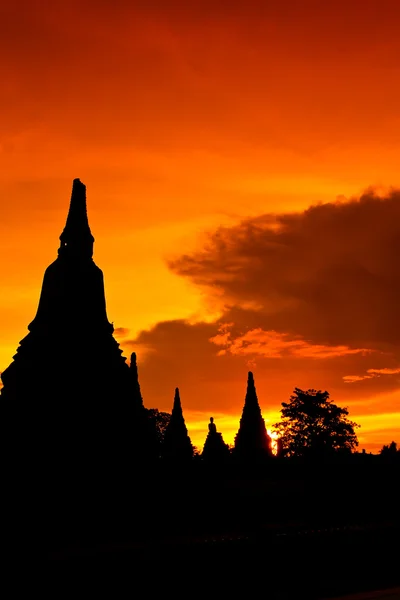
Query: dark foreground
{"points": [[386, 594], [291, 563], [300, 534]]}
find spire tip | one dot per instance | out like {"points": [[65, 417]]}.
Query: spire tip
{"points": [[76, 238]]}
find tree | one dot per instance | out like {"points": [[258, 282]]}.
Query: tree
{"points": [[313, 425], [390, 452], [389, 449], [160, 420]]}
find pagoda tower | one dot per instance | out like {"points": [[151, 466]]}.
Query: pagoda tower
{"points": [[252, 440], [177, 446], [69, 395]]}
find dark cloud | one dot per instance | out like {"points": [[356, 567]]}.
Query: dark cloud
{"points": [[329, 274], [178, 354], [309, 300]]}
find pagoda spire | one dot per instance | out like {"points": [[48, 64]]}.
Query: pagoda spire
{"points": [[72, 295], [251, 394], [177, 408], [252, 437], [177, 445], [76, 238], [135, 380]]}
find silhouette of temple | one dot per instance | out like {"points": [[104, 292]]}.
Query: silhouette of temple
{"points": [[177, 445], [215, 449], [252, 440], [69, 391]]}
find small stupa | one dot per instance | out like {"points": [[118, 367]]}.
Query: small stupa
{"points": [[215, 449], [177, 446]]}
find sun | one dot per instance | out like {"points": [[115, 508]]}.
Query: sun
{"points": [[274, 441]]}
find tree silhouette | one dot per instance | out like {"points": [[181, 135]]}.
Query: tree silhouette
{"points": [[389, 449], [313, 425], [279, 448], [215, 449], [160, 421], [390, 453], [252, 439], [177, 446]]}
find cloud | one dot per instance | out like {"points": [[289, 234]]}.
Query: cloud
{"points": [[329, 274], [354, 378], [386, 371], [121, 332], [305, 299], [272, 344], [179, 353], [370, 374]]}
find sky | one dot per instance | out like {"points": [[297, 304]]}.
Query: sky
{"points": [[242, 173]]}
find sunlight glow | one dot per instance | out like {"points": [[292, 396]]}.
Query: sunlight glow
{"points": [[274, 441]]}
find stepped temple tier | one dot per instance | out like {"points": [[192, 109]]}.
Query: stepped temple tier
{"points": [[69, 390]]}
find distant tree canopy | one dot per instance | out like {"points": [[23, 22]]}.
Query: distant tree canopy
{"points": [[390, 451], [312, 425], [160, 420]]}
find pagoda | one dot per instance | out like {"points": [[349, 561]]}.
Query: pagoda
{"points": [[177, 446], [69, 395], [252, 440]]}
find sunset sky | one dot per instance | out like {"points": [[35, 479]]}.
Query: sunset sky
{"points": [[242, 162]]}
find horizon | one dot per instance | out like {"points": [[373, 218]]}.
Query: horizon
{"points": [[243, 191]]}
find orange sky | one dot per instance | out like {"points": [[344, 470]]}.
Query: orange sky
{"points": [[180, 119]]}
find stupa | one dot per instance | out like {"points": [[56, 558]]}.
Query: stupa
{"points": [[69, 394], [215, 449], [177, 446], [252, 439]]}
